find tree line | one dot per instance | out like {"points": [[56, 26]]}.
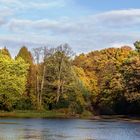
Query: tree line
{"points": [[103, 82]]}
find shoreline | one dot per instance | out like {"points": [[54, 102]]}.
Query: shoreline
{"points": [[60, 115], [127, 118]]}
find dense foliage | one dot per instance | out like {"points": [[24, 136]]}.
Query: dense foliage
{"points": [[102, 82]]}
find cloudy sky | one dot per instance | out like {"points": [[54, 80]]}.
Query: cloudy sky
{"points": [[84, 24]]}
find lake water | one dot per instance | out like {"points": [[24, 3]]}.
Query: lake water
{"points": [[68, 129]]}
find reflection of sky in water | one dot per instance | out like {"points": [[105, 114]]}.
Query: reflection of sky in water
{"points": [[67, 129]]}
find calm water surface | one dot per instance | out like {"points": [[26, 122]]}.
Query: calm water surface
{"points": [[67, 129]]}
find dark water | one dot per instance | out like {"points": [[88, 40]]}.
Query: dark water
{"points": [[67, 129]]}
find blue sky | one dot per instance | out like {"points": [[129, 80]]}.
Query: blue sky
{"points": [[85, 25]]}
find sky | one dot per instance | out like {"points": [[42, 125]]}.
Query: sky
{"points": [[86, 25]]}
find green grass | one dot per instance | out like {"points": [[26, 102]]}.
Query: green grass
{"points": [[34, 114], [43, 114]]}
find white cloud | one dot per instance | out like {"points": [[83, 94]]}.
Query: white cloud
{"points": [[4, 14], [50, 4], [30, 4], [107, 29], [120, 18], [116, 45], [55, 26]]}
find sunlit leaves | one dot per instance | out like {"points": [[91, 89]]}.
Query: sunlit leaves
{"points": [[12, 78]]}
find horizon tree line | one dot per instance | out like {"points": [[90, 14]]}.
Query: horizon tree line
{"points": [[102, 82]]}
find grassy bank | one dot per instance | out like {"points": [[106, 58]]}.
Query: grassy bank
{"points": [[41, 114], [33, 114], [58, 114]]}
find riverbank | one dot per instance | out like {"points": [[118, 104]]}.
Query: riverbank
{"points": [[33, 114], [130, 118], [42, 114], [57, 114]]}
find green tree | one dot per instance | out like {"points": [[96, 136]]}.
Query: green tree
{"points": [[12, 81], [137, 46], [85, 87], [58, 74]]}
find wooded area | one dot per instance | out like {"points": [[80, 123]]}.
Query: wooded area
{"points": [[102, 82]]}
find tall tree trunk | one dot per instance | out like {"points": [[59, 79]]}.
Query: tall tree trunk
{"points": [[42, 85], [37, 89], [62, 87], [59, 81], [58, 91]]}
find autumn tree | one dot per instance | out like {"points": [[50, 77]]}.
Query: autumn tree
{"points": [[30, 85], [6, 52]]}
